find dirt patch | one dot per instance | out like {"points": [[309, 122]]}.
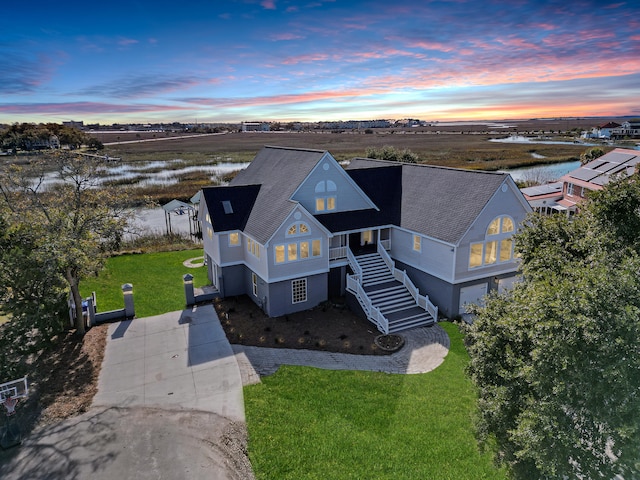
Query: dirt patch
{"points": [[329, 327]]}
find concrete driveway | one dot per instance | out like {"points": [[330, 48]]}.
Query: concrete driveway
{"points": [[169, 406], [176, 361]]}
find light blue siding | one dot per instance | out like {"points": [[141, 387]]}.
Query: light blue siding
{"points": [[502, 203], [435, 258], [299, 267], [347, 194]]}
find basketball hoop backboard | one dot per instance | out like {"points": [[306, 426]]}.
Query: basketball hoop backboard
{"points": [[14, 389]]}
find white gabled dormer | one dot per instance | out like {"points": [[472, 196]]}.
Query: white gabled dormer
{"points": [[328, 189]]}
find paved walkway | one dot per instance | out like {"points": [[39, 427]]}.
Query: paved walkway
{"points": [[424, 350]]}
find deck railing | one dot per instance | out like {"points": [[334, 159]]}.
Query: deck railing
{"points": [[337, 253]]}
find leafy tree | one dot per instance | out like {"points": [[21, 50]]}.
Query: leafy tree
{"points": [[390, 153], [63, 227], [556, 360], [591, 154]]}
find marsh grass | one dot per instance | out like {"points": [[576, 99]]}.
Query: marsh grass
{"points": [[307, 423]]}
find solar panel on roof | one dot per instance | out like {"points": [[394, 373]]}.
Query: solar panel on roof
{"points": [[585, 174]]}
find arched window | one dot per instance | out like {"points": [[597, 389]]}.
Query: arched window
{"points": [[497, 246], [325, 195], [300, 228]]}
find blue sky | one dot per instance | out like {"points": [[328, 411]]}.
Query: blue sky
{"points": [[231, 61]]}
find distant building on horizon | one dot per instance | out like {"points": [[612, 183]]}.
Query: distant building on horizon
{"points": [[74, 124]]}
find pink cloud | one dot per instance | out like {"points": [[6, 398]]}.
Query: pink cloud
{"points": [[268, 4], [279, 37], [310, 58]]}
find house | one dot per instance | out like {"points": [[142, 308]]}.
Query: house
{"points": [[572, 188], [628, 129], [401, 241], [601, 131]]}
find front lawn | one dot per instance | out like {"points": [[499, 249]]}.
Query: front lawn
{"points": [[307, 423], [156, 278]]}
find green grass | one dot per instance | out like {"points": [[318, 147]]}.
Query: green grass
{"points": [[156, 279], [306, 423]]}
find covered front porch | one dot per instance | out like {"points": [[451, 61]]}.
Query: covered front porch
{"points": [[359, 242]]}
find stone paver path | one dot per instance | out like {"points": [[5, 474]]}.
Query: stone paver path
{"points": [[424, 350]]}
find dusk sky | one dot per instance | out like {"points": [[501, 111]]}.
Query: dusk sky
{"points": [[247, 60]]}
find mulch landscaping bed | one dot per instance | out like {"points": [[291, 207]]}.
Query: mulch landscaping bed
{"points": [[330, 327]]}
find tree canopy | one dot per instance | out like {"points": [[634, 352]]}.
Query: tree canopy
{"points": [[392, 154], [556, 359], [57, 228], [31, 136]]}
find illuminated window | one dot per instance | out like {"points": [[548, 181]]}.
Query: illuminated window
{"points": [[506, 249], [304, 249], [298, 229], [292, 252], [498, 246], [324, 199], [253, 247], [417, 244], [490, 252], [299, 290], [507, 225], [234, 239], [494, 227], [475, 258], [295, 251], [210, 233]]}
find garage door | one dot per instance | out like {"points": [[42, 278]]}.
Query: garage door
{"points": [[472, 294]]}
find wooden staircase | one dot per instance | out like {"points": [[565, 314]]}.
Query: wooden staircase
{"points": [[390, 296]]}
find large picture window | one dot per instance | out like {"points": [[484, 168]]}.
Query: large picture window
{"points": [[298, 251], [497, 246]]}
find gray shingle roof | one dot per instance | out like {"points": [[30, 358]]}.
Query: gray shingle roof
{"points": [[440, 202], [279, 171]]}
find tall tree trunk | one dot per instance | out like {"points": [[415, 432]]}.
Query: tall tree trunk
{"points": [[77, 300]]}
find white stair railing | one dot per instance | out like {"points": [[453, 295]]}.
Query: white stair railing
{"points": [[401, 275], [355, 266], [374, 315]]}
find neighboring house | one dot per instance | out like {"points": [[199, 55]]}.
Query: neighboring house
{"points": [[565, 195], [255, 127], [295, 229], [601, 131], [628, 129]]}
